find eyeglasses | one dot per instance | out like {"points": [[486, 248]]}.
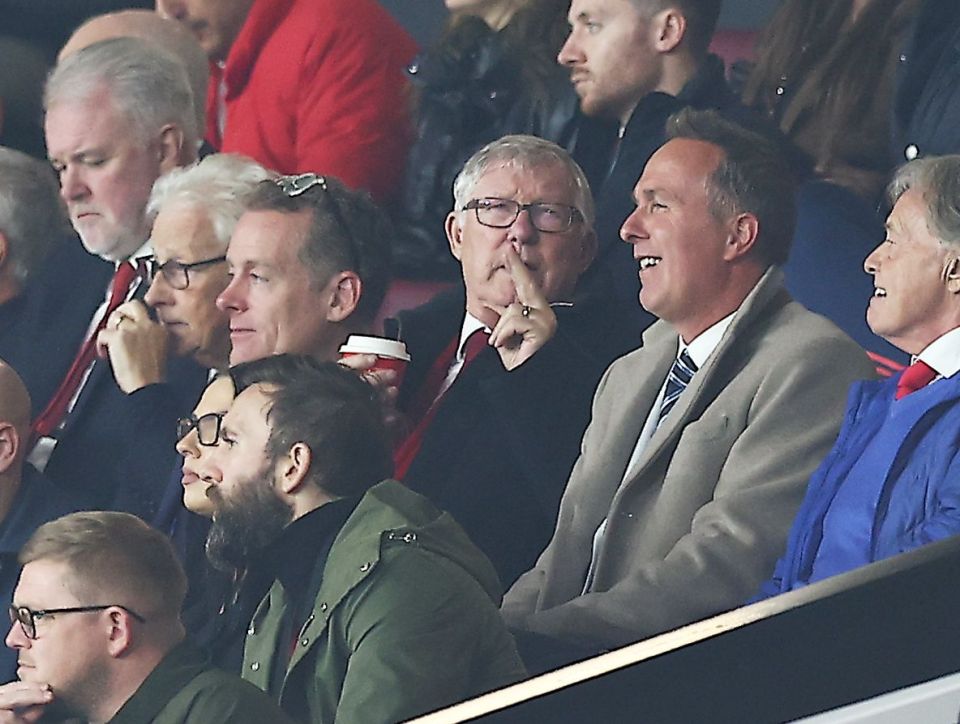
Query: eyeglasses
{"points": [[28, 618], [501, 213], [207, 427], [176, 273]]}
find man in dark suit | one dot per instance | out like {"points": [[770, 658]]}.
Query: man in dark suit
{"points": [[118, 115], [495, 426]]}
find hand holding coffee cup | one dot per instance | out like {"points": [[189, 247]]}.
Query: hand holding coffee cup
{"points": [[376, 354]]}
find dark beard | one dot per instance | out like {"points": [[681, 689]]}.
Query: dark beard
{"points": [[247, 521]]}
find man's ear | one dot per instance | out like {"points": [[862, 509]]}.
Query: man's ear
{"points": [[744, 228], [4, 247], [454, 234], [9, 445], [171, 148], [119, 625], [951, 273], [344, 291], [294, 467], [670, 28]]}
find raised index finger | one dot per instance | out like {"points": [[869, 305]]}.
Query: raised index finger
{"points": [[528, 291]]}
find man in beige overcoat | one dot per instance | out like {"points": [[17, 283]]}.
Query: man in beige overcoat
{"points": [[701, 442]]}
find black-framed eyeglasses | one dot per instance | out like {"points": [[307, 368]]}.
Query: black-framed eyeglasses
{"points": [[207, 427], [27, 618], [177, 273], [501, 213]]}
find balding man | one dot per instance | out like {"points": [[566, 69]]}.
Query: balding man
{"points": [[27, 498]]}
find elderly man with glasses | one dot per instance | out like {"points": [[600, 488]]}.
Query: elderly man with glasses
{"points": [[498, 391], [95, 622], [194, 212]]}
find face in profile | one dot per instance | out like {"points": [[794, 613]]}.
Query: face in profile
{"points": [[274, 304], [106, 173], [184, 235], [248, 510], [611, 55], [678, 242], [70, 651], [914, 299], [196, 446]]}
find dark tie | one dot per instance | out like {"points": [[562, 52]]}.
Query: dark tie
{"points": [[917, 375], [679, 377], [430, 397], [56, 410]]}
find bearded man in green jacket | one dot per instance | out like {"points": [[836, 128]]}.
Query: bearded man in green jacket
{"points": [[380, 608]]}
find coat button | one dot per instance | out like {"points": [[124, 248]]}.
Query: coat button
{"points": [[903, 57], [252, 630], [365, 567], [304, 641], [911, 152], [323, 608], [255, 666]]}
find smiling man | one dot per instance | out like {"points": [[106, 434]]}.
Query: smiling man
{"points": [[898, 446], [702, 440], [494, 427]]}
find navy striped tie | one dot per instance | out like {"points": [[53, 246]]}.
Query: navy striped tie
{"points": [[680, 375]]}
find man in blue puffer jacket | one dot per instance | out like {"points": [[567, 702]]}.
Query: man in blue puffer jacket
{"points": [[892, 481]]}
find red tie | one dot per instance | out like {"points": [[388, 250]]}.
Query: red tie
{"points": [[429, 398], [56, 410], [917, 375]]}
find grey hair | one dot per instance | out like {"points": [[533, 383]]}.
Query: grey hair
{"points": [[937, 178], [147, 85], [219, 185], [32, 216], [522, 152]]}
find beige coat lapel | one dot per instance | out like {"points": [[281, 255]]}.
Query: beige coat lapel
{"points": [[665, 436]]}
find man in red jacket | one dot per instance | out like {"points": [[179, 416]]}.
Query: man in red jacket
{"points": [[304, 86]]}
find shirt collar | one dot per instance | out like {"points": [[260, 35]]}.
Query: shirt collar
{"points": [[943, 354], [470, 325], [704, 343], [144, 251]]}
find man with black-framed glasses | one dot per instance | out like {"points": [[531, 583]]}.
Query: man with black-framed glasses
{"points": [[498, 390], [95, 622], [194, 211]]}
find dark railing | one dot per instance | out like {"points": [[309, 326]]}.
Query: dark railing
{"points": [[874, 630]]}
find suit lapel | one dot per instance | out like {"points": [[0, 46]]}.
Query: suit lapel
{"points": [[767, 292]]}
